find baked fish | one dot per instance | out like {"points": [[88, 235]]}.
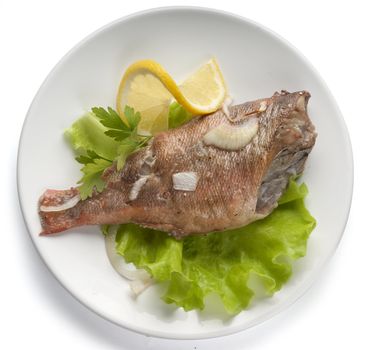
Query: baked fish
{"points": [[217, 172]]}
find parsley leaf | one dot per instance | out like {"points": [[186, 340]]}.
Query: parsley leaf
{"points": [[124, 150], [94, 166], [116, 127], [118, 135], [128, 147], [92, 137], [133, 118], [124, 132], [89, 157], [93, 169], [82, 159], [110, 119]]}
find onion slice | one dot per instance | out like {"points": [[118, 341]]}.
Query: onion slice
{"points": [[185, 181], [64, 206], [232, 137], [124, 269], [138, 286], [137, 187], [225, 106]]}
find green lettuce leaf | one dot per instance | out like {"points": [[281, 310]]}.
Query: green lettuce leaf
{"points": [[177, 115], [222, 263], [88, 134]]}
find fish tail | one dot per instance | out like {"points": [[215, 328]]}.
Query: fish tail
{"points": [[59, 210]]}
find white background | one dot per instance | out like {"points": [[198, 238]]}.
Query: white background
{"points": [[36, 312]]}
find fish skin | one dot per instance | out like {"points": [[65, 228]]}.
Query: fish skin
{"points": [[234, 187]]}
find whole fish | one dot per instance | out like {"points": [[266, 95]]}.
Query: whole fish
{"points": [[217, 172]]}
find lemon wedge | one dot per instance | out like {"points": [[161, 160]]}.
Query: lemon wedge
{"points": [[204, 91], [148, 88]]}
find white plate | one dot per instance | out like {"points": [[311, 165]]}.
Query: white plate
{"points": [[255, 63]]}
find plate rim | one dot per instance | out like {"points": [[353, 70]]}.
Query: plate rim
{"points": [[349, 156]]}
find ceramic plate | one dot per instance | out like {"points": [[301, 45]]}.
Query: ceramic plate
{"points": [[255, 63]]}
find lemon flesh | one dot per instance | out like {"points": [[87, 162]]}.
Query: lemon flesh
{"points": [[205, 89], [148, 96], [148, 88]]}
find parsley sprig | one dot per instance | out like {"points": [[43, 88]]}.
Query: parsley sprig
{"points": [[117, 128], [94, 166], [124, 132]]}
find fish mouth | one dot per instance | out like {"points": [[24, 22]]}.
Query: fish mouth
{"points": [[301, 96], [296, 130]]}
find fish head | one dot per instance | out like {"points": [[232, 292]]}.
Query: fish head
{"points": [[282, 117]]}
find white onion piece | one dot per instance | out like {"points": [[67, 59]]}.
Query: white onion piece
{"points": [[232, 137], [185, 181], [138, 286], [137, 187], [64, 206], [124, 269], [225, 106], [263, 106]]}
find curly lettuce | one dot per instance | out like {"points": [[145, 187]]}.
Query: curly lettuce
{"points": [[223, 262]]}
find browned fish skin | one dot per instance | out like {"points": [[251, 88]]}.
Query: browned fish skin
{"points": [[234, 188]]}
